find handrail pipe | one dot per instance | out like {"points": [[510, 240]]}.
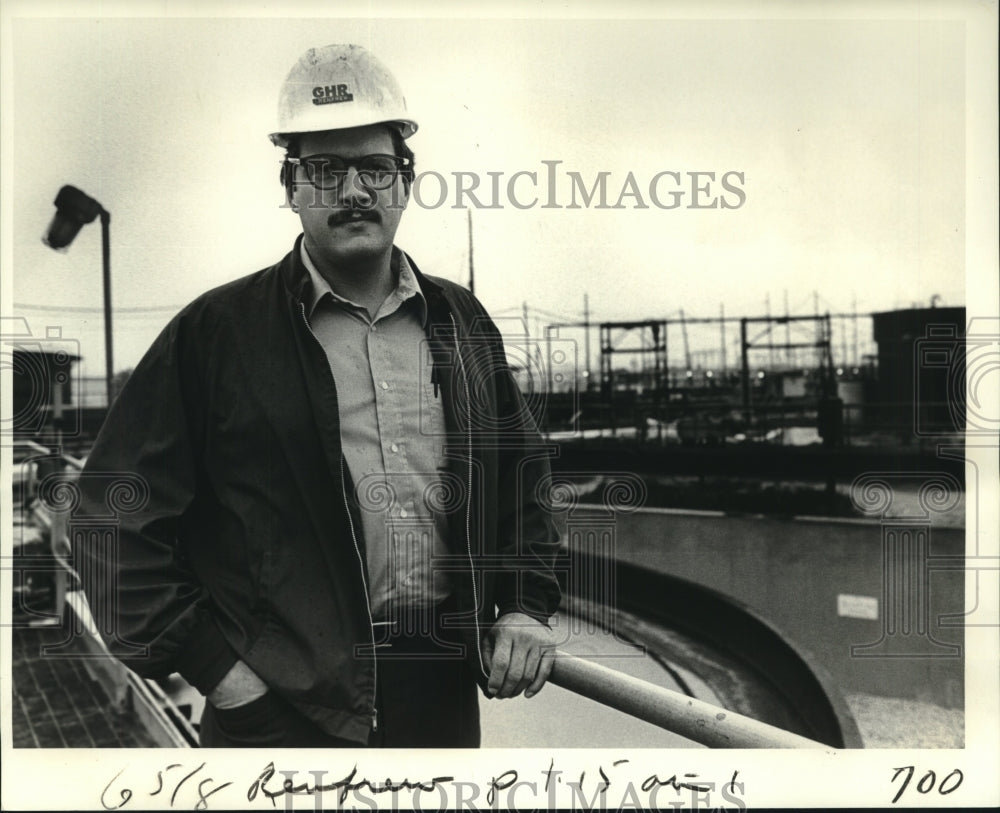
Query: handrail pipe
{"points": [[695, 719]]}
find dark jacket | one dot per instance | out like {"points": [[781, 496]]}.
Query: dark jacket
{"points": [[249, 546]]}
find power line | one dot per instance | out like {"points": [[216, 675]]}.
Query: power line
{"points": [[551, 314], [81, 309]]}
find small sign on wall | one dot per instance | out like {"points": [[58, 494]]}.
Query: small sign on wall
{"points": [[849, 606]]}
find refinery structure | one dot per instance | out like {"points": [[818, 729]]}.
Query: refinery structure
{"points": [[885, 378], [856, 379]]}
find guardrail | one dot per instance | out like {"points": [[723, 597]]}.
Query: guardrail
{"points": [[73, 462], [54, 525], [695, 719]]}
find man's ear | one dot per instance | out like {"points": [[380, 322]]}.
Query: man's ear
{"points": [[285, 178]]}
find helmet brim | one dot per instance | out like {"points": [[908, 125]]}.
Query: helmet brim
{"points": [[406, 128]]}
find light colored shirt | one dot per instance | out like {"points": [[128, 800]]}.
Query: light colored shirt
{"points": [[392, 432]]}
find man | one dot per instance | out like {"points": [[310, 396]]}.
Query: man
{"points": [[342, 532]]}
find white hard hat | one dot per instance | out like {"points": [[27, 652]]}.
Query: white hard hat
{"points": [[337, 87]]}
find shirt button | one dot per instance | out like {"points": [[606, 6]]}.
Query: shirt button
{"points": [[403, 513], [384, 385], [394, 447]]}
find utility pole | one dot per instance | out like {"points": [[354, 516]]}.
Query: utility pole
{"points": [[843, 344], [722, 332], [789, 360], [687, 350], [472, 270], [106, 272], [529, 358], [745, 369], [767, 313], [854, 310], [548, 359], [819, 328], [586, 339]]}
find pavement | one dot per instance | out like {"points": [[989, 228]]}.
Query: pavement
{"points": [[891, 722]]}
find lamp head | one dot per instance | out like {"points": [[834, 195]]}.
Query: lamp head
{"points": [[74, 209]]}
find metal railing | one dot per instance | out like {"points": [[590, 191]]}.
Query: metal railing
{"points": [[697, 720], [157, 714], [52, 524]]}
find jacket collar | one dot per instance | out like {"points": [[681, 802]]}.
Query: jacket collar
{"points": [[298, 285], [295, 276]]}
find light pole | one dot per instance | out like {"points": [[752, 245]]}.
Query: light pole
{"points": [[74, 209]]}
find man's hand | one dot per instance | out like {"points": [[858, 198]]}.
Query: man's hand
{"points": [[239, 687], [518, 652]]}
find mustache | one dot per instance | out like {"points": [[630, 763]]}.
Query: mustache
{"points": [[353, 214]]}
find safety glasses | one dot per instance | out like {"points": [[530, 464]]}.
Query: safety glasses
{"points": [[329, 171]]}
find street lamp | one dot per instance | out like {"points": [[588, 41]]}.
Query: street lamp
{"points": [[74, 210]]}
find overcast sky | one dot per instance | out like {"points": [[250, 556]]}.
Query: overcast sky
{"points": [[849, 137]]}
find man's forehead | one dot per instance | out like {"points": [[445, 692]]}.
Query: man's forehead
{"points": [[374, 138]]}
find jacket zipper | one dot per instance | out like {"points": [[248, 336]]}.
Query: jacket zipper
{"points": [[468, 501], [354, 539]]}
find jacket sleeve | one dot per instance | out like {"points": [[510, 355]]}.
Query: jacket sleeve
{"points": [[527, 537], [156, 616]]}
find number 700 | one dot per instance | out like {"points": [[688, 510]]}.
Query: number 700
{"points": [[927, 781]]}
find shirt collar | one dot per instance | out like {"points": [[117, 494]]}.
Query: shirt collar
{"points": [[406, 284]]}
